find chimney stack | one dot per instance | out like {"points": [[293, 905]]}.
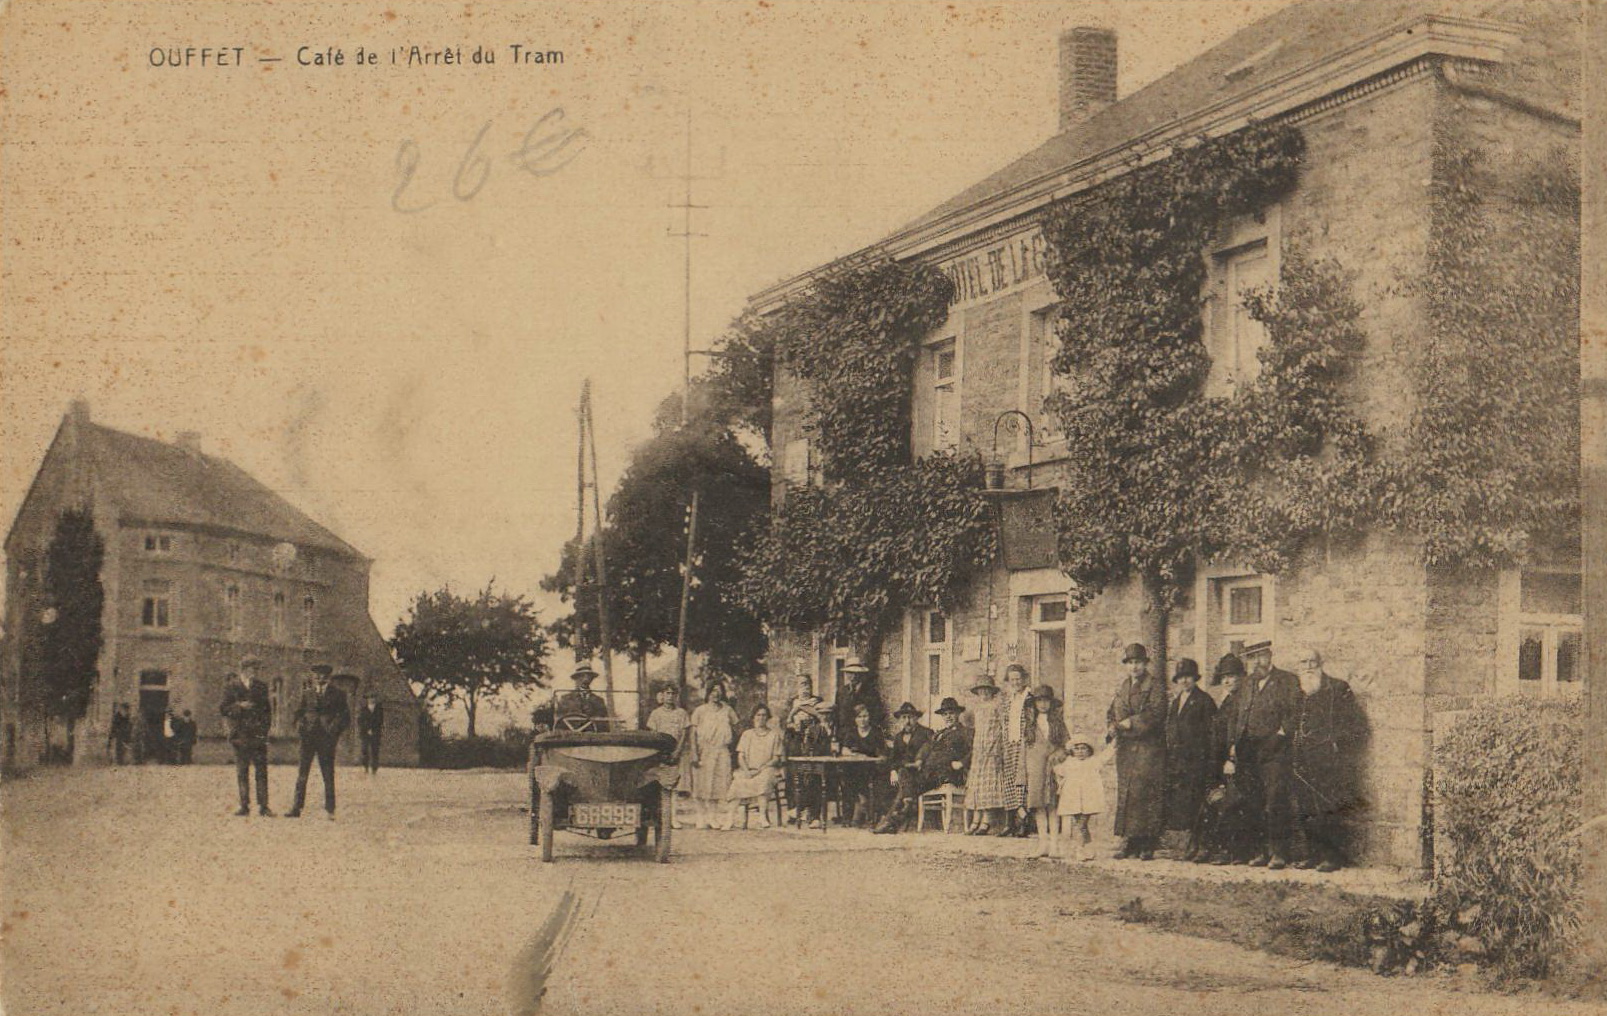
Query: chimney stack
{"points": [[78, 411], [1087, 73], [189, 440]]}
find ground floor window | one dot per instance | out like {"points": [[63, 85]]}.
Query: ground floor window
{"points": [[1238, 611], [1542, 625]]}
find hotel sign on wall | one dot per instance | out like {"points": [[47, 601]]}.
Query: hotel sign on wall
{"points": [[995, 269]]}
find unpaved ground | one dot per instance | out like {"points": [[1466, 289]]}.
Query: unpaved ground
{"points": [[136, 891]]}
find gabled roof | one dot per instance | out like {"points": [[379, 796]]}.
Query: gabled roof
{"points": [[1330, 40], [146, 480]]}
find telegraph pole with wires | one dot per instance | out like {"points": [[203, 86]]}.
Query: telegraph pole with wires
{"points": [[686, 234], [588, 443]]}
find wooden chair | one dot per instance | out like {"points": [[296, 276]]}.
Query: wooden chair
{"points": [[947, 799], [777, 800]]}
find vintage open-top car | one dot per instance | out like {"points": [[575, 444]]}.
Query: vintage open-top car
{"points": [[602, 782]]}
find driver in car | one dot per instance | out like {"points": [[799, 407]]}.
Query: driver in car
{"points": [[582, 703]]}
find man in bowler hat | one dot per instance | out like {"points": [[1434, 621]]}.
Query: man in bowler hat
{"points": [[321, 717], [1136, 721], [941, 759], [582, 705], [249, 713]]}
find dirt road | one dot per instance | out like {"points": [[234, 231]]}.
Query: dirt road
{"points": [[137, 891]]}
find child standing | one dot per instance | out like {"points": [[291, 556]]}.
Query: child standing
{"points": [[1082, 789]]}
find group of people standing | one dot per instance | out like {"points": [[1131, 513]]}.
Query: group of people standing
{"points": [[1279, 753], [168, 737]]}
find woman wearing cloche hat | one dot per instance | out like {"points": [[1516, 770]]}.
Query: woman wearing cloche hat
{"points": [[986, 795]]}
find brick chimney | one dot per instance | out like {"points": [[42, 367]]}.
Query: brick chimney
{"points": [[1087, 73]]}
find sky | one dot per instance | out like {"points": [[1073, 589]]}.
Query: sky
{"points": [[378, 288]]}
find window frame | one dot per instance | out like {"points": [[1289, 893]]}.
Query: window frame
{"points": [[1513, 621], [947, 389], [158, 605], [1223, 307]]}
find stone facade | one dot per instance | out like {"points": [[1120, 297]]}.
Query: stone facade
{"points": [[187, 597], [1412, 642]]}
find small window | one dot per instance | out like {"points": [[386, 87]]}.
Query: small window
{"points": [[1052, 611], [937, 628], [308, 612], [1543, 612], [156, 609], [934, 675], [946, 395], [158, 543], [1244, 606], [278, 625], [231, 607], [232, 551]]}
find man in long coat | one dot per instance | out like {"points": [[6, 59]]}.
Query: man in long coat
{"points": [[1137, 721], [1269, 715], [1190, 752], [321, 717], [1327, 746], [909, 740], [249, 713]]}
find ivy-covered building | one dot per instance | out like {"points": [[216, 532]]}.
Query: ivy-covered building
{"points": [[1292, 328], [202, 566]]}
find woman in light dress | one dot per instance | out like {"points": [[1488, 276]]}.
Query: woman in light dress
{"points": [[714, 727], [986, 794], [758, 765], [669, 718]]}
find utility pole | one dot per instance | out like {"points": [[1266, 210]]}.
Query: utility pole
{"points": [[588, 437], [686, 234]]}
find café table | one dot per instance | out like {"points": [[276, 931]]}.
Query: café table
{"points": [[826, 772]]}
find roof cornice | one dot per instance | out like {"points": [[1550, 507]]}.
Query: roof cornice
{"points": [[1465, 39]]}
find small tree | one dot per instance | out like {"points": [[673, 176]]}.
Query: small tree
{"points": [[457, 650], [70, 641]]}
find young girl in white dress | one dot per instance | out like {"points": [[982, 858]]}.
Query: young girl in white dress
{"points": [[1082, 790]]}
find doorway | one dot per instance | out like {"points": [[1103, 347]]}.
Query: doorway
{"points": [[150, 741]]}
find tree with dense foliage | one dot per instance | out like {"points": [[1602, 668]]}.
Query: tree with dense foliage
{"points": [[457, 650], [70, 636], [645, 536]]}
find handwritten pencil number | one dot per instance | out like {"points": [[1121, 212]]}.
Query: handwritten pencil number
{"points": [[472, 158], [407, 160], [545, 148]]}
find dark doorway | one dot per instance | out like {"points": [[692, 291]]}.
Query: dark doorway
{"points": [[150, 741]]}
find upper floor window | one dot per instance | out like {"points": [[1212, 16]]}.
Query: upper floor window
{"points": [[1542, 624], [308, 610], [945, 362], [231, 610], [1042, 345], [232, 551], [277, 619], [158, 543], [1246, 260], [156, 609]]}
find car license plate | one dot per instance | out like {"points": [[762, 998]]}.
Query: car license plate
{"points": [[597, 816]]}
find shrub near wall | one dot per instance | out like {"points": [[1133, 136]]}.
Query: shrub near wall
{"points": [[1510, 809]]}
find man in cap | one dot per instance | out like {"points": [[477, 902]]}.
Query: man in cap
{"points": [[249, 713], [941, 760], [321, 717], [1268, 716], [1136, 721], [860, 690], [582, 705], [903, 759]]}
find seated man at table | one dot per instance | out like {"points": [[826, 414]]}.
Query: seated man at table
{"points": [[903, 758], [858, 784], [942, 760], [807, 740]]}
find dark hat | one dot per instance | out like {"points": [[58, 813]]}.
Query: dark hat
{"points": [[322, 669], [984, 681], [1043, 691], [856, 667], [1228, 666], [251, 661], [1135, 652], [583, 674], [949, 706], [908, 709], [1186, 667]]}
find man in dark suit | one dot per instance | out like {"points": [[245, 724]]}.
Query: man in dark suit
{"points": [[903, 760], [1269, 714], [941, 759], [249, 714], [370, 725], [582, 707], [121, 733], [1190, 752], [1136, 720], [321, 717], [1327, 746]]}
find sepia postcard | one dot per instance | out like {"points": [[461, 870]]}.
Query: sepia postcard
{"points": [[801, 506]]}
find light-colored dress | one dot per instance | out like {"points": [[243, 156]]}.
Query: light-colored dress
{"points": [[1039, 791], [1018, 710], [761, 750], [1082, 785], [714, 727], [985, 788], [673, 720]]}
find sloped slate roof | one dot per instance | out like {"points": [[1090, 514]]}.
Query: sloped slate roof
{"points": [[150, 481], [1284, 42]]}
